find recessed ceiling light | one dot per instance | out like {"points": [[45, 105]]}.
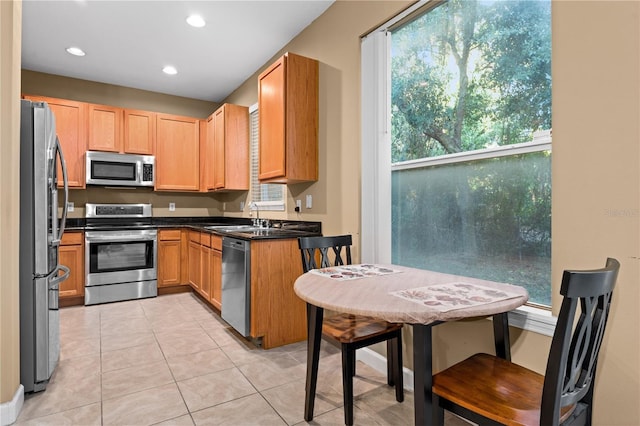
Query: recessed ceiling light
{"points": [[196, 21], [76, 51], [170, 70]]}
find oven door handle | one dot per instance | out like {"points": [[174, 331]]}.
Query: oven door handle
{"points": [[119, 238]]}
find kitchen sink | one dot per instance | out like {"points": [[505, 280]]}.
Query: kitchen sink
{"points": [[233, 228]]}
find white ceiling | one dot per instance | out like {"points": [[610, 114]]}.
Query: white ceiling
{"points": [[127, 43]]}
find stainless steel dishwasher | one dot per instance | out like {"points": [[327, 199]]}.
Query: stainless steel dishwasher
{"points": [[236, 284]]}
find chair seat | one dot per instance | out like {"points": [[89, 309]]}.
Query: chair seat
{"points": [[346, 328], [497, 389]]}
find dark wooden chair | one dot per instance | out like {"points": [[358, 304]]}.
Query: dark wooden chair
{"points": [[490, 390], [352, 332]]}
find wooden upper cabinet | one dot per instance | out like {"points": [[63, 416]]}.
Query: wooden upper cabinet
{"points": [[206, 154], [139, 132], [231, 148], [114, 129], [105, 128], [177, 153], [72, 131], [288, 108]]}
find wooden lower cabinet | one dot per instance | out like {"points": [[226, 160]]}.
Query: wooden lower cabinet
{"points": [[201, 263], [169, 257], [216, 271], [71, 255], [277, 314], [195, 265], [194, 258], [205, 271]]}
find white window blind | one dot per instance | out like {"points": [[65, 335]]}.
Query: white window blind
{"points": [[266, 196]]}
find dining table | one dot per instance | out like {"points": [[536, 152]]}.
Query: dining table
{"points": [[401, 294]]}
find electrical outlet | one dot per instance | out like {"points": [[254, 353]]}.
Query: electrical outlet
{"points": [[298, 205], [309, 201], [70, 206], [172, 207]]}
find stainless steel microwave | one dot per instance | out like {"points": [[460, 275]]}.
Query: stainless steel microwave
{"points": [[111, 169]]}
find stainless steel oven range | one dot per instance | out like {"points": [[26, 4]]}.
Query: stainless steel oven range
{"points": [[121, 253]]}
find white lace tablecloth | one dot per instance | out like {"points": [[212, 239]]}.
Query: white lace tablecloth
{"points": [[408, 295]]}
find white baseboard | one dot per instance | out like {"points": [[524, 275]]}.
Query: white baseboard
{"points": [[9, 410], [379, 363]]}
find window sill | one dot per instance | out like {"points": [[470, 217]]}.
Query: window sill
{"points": [[275, 206], [529, 318]]}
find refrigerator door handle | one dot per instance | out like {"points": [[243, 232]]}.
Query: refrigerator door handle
{"points": [[54, 286], [57, 238]]}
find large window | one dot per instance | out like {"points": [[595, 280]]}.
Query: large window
{"points": [[467, 104]]}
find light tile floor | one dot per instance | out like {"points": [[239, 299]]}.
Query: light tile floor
{"points": [[171, 360]]}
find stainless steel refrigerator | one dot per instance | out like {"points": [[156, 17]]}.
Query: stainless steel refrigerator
{"points": [[40, 232]]}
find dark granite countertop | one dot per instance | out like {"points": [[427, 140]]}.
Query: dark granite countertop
{"points": [[279, 229]]}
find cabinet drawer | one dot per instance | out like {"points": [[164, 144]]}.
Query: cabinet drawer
{"points": [[194, 236], [205, 239], [169, 235], [216, 242], [72, 238]]}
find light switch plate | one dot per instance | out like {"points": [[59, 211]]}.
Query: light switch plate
{"points": [[309, 201]]}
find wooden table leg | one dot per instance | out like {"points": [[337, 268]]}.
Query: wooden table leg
{"points": [[314, 335], [501, 335], [422, 375]]}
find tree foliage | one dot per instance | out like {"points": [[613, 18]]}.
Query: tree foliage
{"points": [[471, 75]]}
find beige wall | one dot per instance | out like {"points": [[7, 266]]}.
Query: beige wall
{"points": [[55, 86], [596, 180], [10, 39], [596, 163]]}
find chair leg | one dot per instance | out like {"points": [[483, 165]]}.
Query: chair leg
{"points": [[391, 363], [348, 355], [397, 368], [314, 331], [438, 410]]}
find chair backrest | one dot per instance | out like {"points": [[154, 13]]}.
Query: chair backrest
{"points": [[576, 341], [330, 249]]}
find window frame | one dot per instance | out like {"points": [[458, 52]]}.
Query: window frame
{"points": [[376, 142]]}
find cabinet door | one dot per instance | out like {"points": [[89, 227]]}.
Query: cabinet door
{"points": [[71, 128], [177, 153], [218, 149], [71, 254], [195, 265], [169, 262], [231, 148], [271, 104], [205, 282], [139, 132], [288, 104], [206, 154], [105, 128], [216, 278]]}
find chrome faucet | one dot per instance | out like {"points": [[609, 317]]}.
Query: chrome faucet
{"points": [[260, 223]]}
